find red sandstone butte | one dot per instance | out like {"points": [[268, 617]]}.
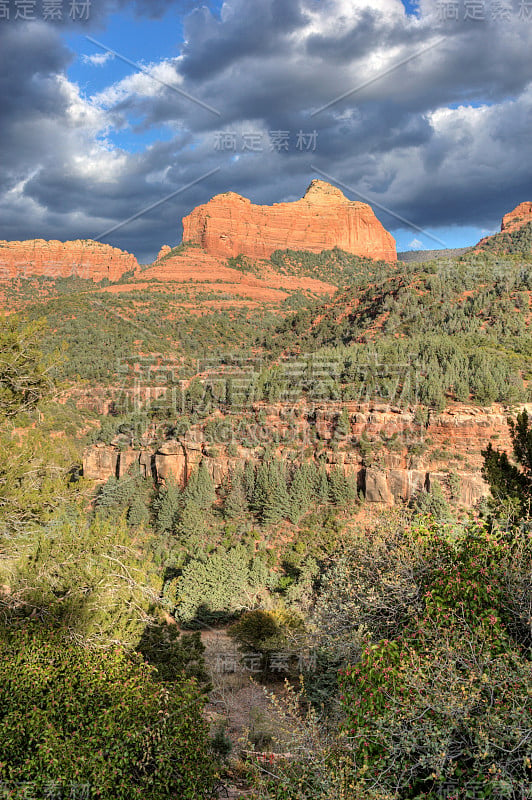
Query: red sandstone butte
{"points": [[231, 225], [517, 218], [81, 258]]}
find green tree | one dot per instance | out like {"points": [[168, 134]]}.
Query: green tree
{"points": [[200, 488], [322, 484], [25, 373], [342, 488], [174, 656], [301, 494], [138, 513], [235, 503], [509, 482], [167, 506]]}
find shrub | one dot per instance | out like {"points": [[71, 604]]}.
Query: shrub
{"points": [[444, 706], [70, 715]]}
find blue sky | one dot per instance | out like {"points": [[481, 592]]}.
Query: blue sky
{"points": [[425, 117]]}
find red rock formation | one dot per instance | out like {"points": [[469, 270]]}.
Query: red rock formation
{"points": [[517, 218], [230, 225], [511, 222], [458, 436], [82, 258]]}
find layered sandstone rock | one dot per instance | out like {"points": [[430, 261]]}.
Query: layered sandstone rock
{"points": [[81, 258], [230, 225], [457, 436], [517, 218]]}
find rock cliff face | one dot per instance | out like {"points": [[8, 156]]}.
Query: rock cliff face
{"points": [[81, 258], [230, 225], [388, 476], [517, 218]]}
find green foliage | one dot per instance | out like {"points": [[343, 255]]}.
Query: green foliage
{"points": [[216, 588], [267, 633], [138, 514], [221, 743], [443, 705], [167, 506], [235, 503], [87, 575], [301, 493], [454, 332], [518, 241], [342, 488], [75, 716], [33, 479], [432, 502], [174, 656], [270, 500], [25, 375], [200, 488], [510, 483]]}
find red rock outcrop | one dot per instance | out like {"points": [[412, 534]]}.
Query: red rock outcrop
{"points": [[457, 437], [510, 222], [83, 258], [230, 225], [517, 218]]}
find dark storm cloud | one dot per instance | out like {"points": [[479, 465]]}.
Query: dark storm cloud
{"points": [[261, 29]]}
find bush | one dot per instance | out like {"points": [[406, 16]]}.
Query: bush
{"points": [[444, 706], [73, 716]]}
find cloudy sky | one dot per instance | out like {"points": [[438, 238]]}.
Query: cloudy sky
{"points": [[117, 118]]}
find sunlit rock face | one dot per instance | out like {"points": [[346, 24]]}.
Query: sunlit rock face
{"points": [[231, 225]]}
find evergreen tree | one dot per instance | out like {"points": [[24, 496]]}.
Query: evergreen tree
{"points": [[138, 513], [322, 484], [200, 488], [300, 494], [167, 506], [512, 481], [107, 496], [249, 481], [343, 426], [342, 488], [277, 504], [270, 502], [191, 525], [236, 504]]}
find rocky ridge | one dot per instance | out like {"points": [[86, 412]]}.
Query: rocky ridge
{"points": [[83, 258], [230, 225], [457, 436], [521, 215]]}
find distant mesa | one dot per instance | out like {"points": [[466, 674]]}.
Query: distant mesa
{"points": [[231, 225], [83, 258]]}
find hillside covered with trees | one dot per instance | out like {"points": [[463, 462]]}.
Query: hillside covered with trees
{"points": [[389, 644]]}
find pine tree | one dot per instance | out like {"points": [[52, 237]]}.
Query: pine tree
{"points": [[249, 481], [270, 500], [236, 504], [277, 503], [300, 494], [200, 488], [191, 525], [108, 493], [343, 426], [167, 506], [138, 513], [512, 482], [342, 488], [322, 485]]}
